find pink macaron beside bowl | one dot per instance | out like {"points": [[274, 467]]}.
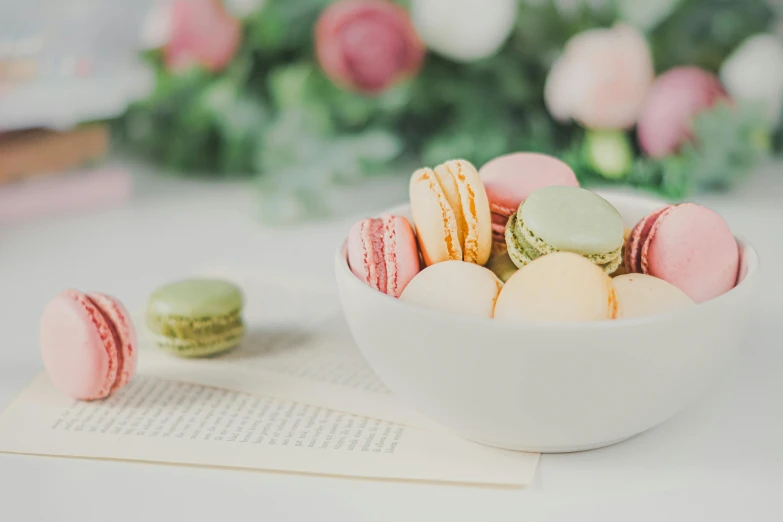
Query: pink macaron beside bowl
{"points": [[88, 344], [553, 387]]}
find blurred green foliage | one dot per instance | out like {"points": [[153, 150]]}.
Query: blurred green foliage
{"points": [[272, 114]]}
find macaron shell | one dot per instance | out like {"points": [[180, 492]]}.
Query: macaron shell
{"points": [[559, 287], [448, 184], [499, 222], [455, 287], [78, 347], [641, 295], [501, 265], [199, 297], [633, 248], [511, 178], [477, 243], [365, 248], [465, 194], [356, 253], [573, 219], [128, 352], [693, 248], [402, 254], [434, 219]]}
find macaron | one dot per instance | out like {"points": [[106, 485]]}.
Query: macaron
{"points": [[641, 295], [196, 317], [688, 245], [511, 178], [623, 269], [88, 344], [383, 253], [502, 266], [566, 219], [451, 213], [456, 287], [559, 287]]}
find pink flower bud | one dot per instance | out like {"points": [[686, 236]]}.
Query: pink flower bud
{"points": [[367, 45], [675, 98], [601, 79], [202, 33]]}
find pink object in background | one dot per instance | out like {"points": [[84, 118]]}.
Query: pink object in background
{"points": [[601, 79], [510, 179], [202, 33], [382, 252], [55, 194], [674, 99], [367, 45]]}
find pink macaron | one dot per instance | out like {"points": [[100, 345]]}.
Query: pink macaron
{"points": [[383, 253], [688, 245], [88, 344], [509, 179]]}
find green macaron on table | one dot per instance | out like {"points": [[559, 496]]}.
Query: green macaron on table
{"points": [[196, 317]]}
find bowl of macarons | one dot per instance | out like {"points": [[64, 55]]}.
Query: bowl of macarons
{"points": [[522, 311]]}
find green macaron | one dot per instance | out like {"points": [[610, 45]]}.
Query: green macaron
{"points": [[196, 317], [566, 219]]}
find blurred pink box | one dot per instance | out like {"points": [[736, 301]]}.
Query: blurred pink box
{"points": [[64, 193]]}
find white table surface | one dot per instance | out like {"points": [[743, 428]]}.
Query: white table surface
{"points": [[720, 460]]}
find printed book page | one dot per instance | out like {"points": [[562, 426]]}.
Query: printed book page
{"points": [[158, 420], [298, 347]]}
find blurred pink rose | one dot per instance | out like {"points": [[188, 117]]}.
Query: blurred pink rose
{"points": [[367, 45], [601, 79], [202, 33], [675, 98]]}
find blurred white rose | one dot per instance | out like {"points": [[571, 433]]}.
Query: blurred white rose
{"points": [[601, 79], [464, 30], [156, 28], [754, 73]]}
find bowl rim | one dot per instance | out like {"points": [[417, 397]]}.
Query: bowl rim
{"points": [[749, 255]]}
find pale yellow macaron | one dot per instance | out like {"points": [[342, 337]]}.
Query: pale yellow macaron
{"points": [[640, 295], [456, 287], [559, 287], [451, 213]]}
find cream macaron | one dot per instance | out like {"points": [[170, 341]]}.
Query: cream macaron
{"points": [[641, 295], [559, 287], [456, 287], [451, 213]]}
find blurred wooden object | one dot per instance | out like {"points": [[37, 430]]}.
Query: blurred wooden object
{"points": [[40, 152]]}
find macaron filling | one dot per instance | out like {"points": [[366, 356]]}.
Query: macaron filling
{"points": [[461, 199], [469, 213], [374, 262], [450, 222], [389, 247], [520, 249], [107, 334], [524, 247], [118, 379], [190, 327], [197, 336], [638, 238]]}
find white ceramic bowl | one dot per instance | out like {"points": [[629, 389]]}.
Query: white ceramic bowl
{"points": [[548, 387]]}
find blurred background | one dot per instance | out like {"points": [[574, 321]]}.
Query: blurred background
{"points": [[294, 99]]}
